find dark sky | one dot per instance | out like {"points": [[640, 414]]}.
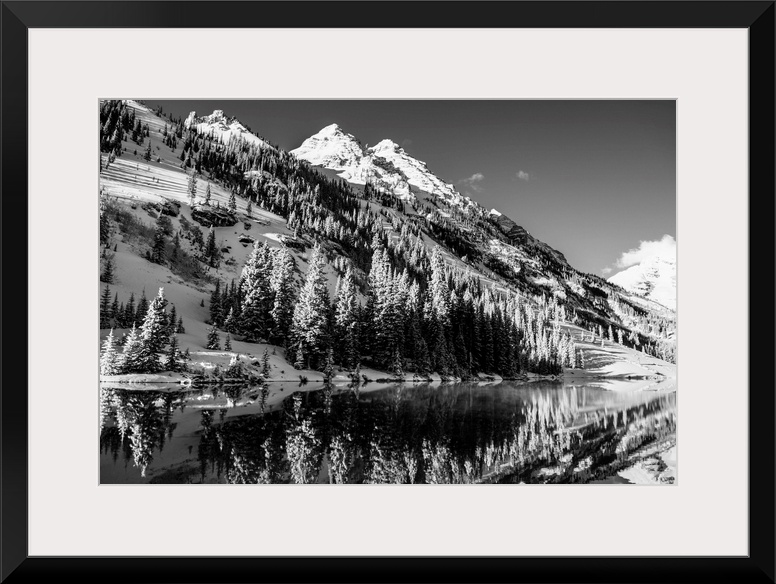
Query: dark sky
{"points": [[590, 178]]}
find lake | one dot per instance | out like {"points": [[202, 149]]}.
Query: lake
{"points": [[509, 432]]}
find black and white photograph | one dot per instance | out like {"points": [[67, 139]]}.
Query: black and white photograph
{"points": [[387, 291]]}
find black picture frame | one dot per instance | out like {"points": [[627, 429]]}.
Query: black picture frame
{"points": [[757, 17]]}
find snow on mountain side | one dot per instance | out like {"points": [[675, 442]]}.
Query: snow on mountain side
{"points": [[654, 278], [221, 126], [385, 165], [332, 148]]}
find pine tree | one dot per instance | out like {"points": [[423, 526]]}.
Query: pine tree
{"points": [[346, 322], [179, 329], [328, 368], [192, 187], [129, 312], [249, 209], [110, 361], [255, 285], [212, 254], [105, 312], [213, 340], [232, 203], [115, 312], [230, 322], [265, 363], [132, 355], [104, 221], [153, 332], [147, 154], [282, 288], [159, 249], [207, 194], [310, 324], [216, 311], [172, 363], [228, 343], [172, 321], [107, 275], [396, 367]]}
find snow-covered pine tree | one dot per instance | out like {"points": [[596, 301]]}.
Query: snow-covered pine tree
{"points": [[110, 360], [328, 367], [249, 209], [397, 369], [192, 187], [153, 333], [310, 324], [265, 363], [207, 194], [282, 287], [255, 318], [213, 340], [132, 354], [232, 203], [230, 322], [346, 322]]}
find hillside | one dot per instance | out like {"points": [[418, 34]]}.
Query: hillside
{"points": [[441, 287]]}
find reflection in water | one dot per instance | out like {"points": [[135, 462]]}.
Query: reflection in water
{"points": [[461, 433]]}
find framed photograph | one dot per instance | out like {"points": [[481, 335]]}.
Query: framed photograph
{"points": [[388, 291]]}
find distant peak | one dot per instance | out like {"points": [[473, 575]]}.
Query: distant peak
{"points": [[386, 144], [332, 129]]}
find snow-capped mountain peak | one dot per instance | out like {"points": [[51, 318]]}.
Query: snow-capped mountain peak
{"points": [[331, 129], [653, 278], [386, 145], [333, 148], [219, 125], [386, 165]]}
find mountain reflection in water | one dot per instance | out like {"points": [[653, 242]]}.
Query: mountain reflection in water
{"points": [[459, 433]]}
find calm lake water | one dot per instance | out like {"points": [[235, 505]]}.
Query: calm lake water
{"points": [[537, 432]]}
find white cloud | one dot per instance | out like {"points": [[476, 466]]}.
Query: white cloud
{"points": [[523, 175], [473, 182], [665, 247], [606, 271]]}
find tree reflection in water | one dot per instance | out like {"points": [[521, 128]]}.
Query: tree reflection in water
{"points": [[458, 433]]}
